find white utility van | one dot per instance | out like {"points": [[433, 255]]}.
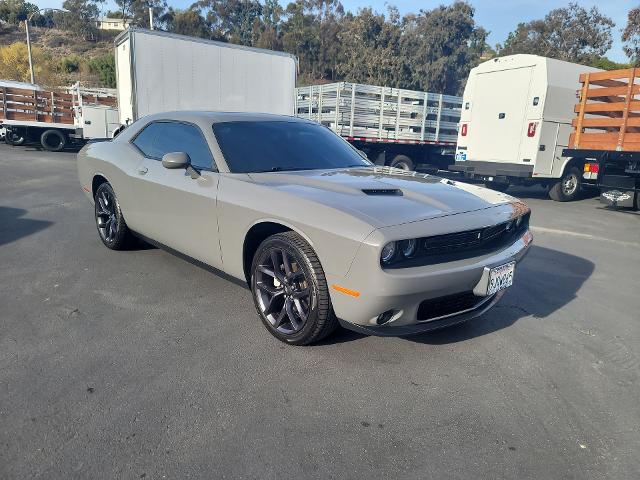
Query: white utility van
{"points": [[159, 72], [516, 120]]}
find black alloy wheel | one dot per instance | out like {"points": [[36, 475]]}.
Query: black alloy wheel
{"points": [[290, 291], [112, 228]]}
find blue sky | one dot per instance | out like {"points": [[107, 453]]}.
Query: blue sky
{"points": [[498, 16]]}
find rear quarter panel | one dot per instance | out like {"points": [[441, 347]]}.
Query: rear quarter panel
{"points": [[115, 161]]}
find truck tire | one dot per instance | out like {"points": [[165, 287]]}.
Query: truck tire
{"points": [[569, 186], [53, 140], [497, 186], [15, 138], [402, 162]]}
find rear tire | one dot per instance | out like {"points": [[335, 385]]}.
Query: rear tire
{"points": [[568, 188], [290, 290], [53, 140], [14, 138], [402, 162], [497, 186], [112, 228]]}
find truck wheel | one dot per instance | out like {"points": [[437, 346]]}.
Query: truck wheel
{"points": [[15, 138], [497, 186], [402, 162], [569, 186], [53, 140]]}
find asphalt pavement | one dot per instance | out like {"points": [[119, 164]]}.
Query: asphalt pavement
{"points": [[139, 364]]}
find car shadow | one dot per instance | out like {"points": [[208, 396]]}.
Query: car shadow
{"points": [[13, 226], [545, 281]]}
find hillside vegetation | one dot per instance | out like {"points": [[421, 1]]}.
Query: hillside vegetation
{"points": [[429, 50]]}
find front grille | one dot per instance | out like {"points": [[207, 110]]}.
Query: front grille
{"points": [[449, 305], [461, 245]]}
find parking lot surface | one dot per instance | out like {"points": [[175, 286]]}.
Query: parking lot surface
{"points": [[139, 364]]}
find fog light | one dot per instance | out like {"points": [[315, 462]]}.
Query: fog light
{"points": [[385, 317]]}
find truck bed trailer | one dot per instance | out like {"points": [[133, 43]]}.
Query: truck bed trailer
{"points": [[397, 127], [55, 118], [606, 134]]}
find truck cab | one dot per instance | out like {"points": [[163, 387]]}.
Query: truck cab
{"points": [[516, 120]]}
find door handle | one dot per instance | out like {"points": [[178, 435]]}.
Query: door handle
{"points": [[143, 170]]}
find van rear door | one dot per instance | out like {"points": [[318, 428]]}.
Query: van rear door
{"points": [[499, 111]]}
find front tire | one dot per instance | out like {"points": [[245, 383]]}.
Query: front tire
{"points": [[568, 188], [290, 290], [14, 138], [112, 228]]}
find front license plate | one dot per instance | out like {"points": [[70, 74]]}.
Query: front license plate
{"points": [[500, 277]]}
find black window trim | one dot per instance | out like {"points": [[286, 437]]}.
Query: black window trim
{"points": [[214, 166]]}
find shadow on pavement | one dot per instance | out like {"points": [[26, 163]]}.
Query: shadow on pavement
{"points": [[13, 226], [544, 282]]}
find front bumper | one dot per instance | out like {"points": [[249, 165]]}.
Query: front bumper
{"points": [[404, 290]]}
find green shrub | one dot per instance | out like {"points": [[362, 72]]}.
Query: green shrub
{"points": [[105, 68]]}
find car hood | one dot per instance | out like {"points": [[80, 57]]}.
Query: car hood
{"points": [[383, 196]]}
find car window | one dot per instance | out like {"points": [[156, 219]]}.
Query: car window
{"points": [[271, 146], [159, 138]]}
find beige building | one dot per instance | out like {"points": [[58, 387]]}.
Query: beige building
{"points": [[106, 23]]}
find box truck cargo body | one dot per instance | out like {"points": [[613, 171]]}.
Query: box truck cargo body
{"points": [[159, 72], [516, 120]]}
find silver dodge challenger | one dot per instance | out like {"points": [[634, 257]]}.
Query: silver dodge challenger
{"points": [[320, 234]]}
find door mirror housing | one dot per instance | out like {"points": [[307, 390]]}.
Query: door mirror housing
{"points": [[176, 160]]}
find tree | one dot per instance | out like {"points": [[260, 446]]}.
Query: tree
{"points": [[573, 34], [187, 22], [440, 47], [371, 48], [631, 36], [14, 64], [16, 11], [105, 68], [80, 17]]}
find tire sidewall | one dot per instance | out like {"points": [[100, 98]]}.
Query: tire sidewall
{"points": [[118, 241], [300, 257], [62, 141]]}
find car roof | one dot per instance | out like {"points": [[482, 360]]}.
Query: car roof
{"points": [[197, 116]]}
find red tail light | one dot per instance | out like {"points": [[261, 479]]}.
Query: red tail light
{"points": [[463, 130], [591, 168], [531, 131]]}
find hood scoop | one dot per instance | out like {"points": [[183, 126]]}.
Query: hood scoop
{"points": [[382, 191]]}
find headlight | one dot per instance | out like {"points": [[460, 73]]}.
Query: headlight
{"points": [[408, 247], [388, 252]]}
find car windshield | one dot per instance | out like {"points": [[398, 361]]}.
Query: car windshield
{"points": [[275, 146]]}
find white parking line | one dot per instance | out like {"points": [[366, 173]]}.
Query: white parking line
{"points": [[586, 236]]}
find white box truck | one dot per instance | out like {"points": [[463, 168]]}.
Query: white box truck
{"points": [[159, 72], [516, 120]]}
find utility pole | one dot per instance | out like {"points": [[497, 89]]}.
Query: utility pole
{"points": [[150, 18], [26, 27]]}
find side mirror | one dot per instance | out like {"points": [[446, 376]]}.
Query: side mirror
{"points": [[175, 160]]}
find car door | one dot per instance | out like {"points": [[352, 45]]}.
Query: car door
{"points": [[173, 208]]}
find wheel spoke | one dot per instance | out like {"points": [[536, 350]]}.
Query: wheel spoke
{"points": [[285, 262], [300, 309], [295, 323], [281, 316], [276, 266], [301, 294], [266, 271]]}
